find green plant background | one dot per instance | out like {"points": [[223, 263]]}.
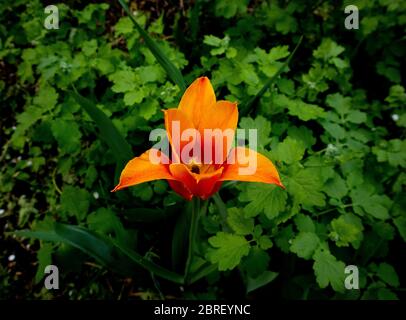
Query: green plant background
{"points": [[333, 122]]}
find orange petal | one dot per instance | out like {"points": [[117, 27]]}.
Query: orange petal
{"points": [[180, 188], [250, 166], [146, 167], [223, 120], [176, 122], [201, 185], [198, 99]]}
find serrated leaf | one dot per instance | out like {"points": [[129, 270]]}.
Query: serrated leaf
{"points": [[238, 222], [228, 250], [261, 124], [305, 187], [304, 244], [388, 274], [67, 134], [304, 223], [289, 151], [75, 202], [328, 270], [347, 229], [269, 199]]}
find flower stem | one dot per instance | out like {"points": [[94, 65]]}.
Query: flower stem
{"points": [[192, 236]]}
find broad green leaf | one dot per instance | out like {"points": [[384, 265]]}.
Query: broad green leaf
{"points": [[304, 223], [374, 204], [289, 151], [261, 124], [336, 187], [228, 250], [67, 134], [269, 199], [347, 229], [304, 185], [304, 244], [328, 270], [388, 274], [75, 202], [302, 134], [256, 262], [238, 222]]}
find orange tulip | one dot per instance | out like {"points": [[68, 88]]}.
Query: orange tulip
{"points": [[201, 177]]}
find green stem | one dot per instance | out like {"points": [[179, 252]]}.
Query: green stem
{"points": [[192, 236]]}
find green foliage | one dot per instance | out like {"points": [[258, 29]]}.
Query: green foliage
{"points": [[80, 101]]}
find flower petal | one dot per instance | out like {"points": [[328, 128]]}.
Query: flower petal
{"points": [[146, 167], [250, 166], [223, 120], [198, 99], [201, 185], [176, 122], [180, 188]]}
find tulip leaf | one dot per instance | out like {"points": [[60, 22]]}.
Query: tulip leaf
{"points": [[108, 131], [172, 71], [147, 264], [104, 250]]}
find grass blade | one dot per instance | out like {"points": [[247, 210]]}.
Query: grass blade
{"points": [[172, 71], [108, 132]]}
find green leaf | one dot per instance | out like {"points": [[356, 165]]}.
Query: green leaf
{"points": [[304, 111], [75, 202], [347, 229], [336, 187], [400, 223], [67, 134], [262, 125], [340, 103], [289, 151], [228, 250], [108, 132], [260, 281], [44, 257], [375, 205], [328, 270], [304, 223], [256, 262], [47, 97], [162, 59], [305, 186], [386, 294], [388, 274], [246, 106], [103, 250], [269, 199], [302, 134], [238, 223], [392, 151], [305, 244], [334, 129], [356, 116]]}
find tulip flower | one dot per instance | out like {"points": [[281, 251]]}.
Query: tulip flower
{"points": [[202, 175]]}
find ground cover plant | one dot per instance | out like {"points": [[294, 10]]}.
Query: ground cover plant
{"points": [[80, 101]]}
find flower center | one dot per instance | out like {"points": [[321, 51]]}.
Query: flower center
{"points": [[195, 168]]}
